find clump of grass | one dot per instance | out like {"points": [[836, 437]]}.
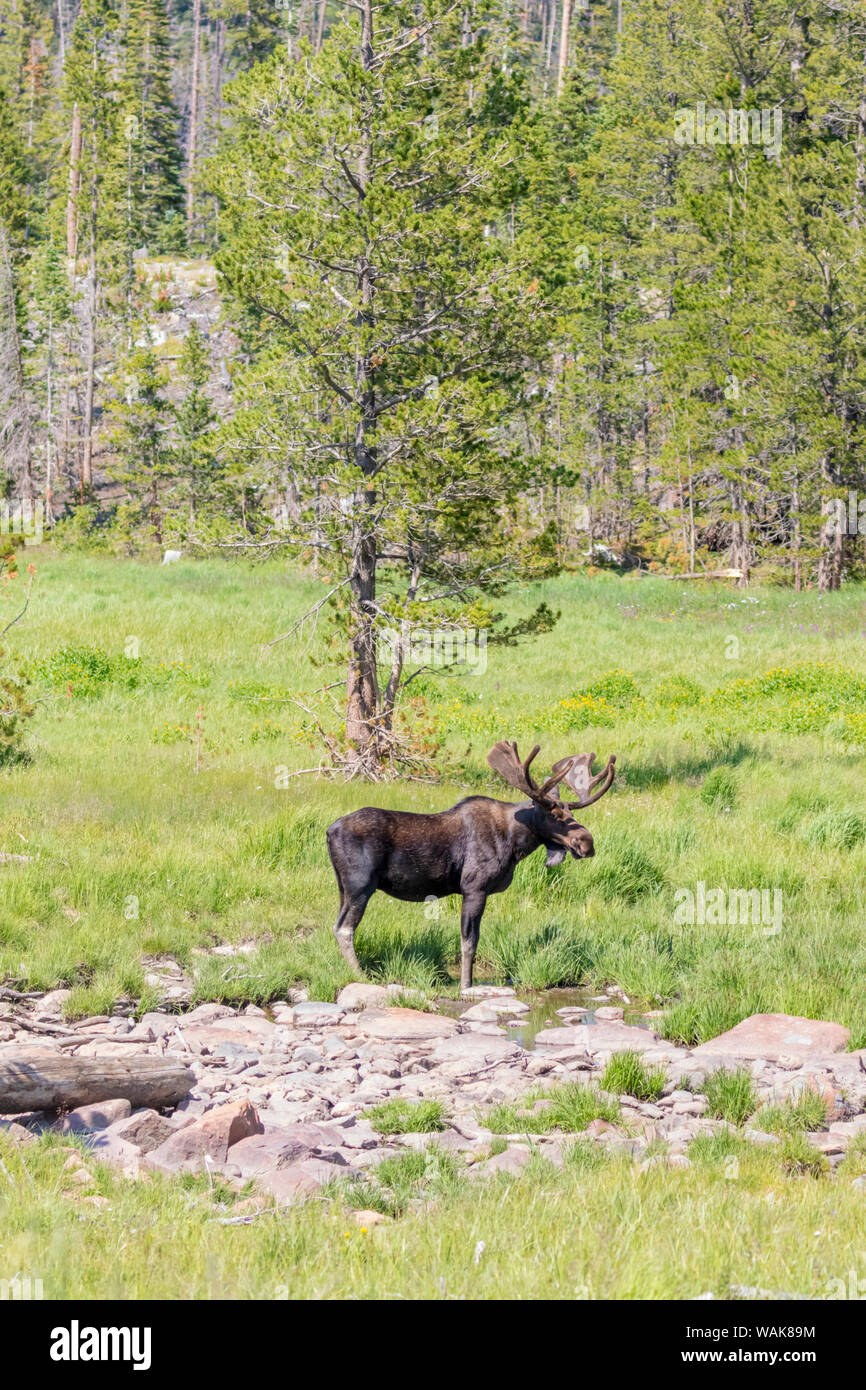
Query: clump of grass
{"points": [[407, 1117], [571, 1107], [806, 1112], [836, 829], [627, 1074], [626, 872], [719, 788], [398, 1182], [796, 1155], [730, 1095], [798, 805]]}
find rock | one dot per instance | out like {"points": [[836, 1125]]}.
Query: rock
{"points": [[487, 992], [610, 1014], [209, 1013], [470, 1053], [254, 1034], [110, 1148], [849, 1128], [276, 1149], [6, 1033], [600, 1037], [772, 1037], [51, 1005], [86, 1118], [297, 1180], [365, 1219], [17, 1133], [572, 1011], [512, 1161], [489, 1010], [360, 995], [828, 1143], [314, 1014], [155, 1025], [146, 1129], [212, 1136], [165, 975], [405, 1025]]}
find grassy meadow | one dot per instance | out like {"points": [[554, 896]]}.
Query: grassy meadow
{"points": [[159, 806], [160, 810]]}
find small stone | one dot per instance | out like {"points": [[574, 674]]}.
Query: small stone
{"points": [[365, 1219], [610, 1014]]}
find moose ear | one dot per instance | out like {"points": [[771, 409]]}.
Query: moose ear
{"points": [[554, 856]]}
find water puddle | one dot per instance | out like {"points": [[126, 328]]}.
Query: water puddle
{"points": [[544, 1012]]}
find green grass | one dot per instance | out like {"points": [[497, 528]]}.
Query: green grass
{"points": [[741, 773], [407, 1116], [730, 1095], [808, 1111], [120, 823], [627, 1074], [595, 1229], [570, 1106]]}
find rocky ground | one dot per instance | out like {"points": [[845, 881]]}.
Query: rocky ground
{"points": [[283, 1099]]}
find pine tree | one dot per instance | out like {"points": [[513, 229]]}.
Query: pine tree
{"points": [[366, 234]]}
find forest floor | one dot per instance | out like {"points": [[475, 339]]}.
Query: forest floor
{"points": [[158, 820]]}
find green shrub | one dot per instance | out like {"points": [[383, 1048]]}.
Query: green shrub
{"points": [[677, 691]]}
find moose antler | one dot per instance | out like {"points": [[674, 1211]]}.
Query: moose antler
{"points": [[505, 759], [576, 772]]}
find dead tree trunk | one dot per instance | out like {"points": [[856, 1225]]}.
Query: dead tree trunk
{"points": [[35, 1081]]}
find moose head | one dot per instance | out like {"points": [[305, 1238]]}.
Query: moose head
{"points": [[551, 816]]}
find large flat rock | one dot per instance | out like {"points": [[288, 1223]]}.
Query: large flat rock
{"points": [[771, 1037], [247, 1031], [600, 1037], [405, 1025]]}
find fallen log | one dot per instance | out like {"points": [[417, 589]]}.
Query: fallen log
{"points": [[34, 1081]]}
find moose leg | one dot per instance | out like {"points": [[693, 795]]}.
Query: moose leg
{"points": [[351, 912], [470, 927]]}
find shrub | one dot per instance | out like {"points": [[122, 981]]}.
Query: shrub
{"points": [[15, 707], [677, 691]]}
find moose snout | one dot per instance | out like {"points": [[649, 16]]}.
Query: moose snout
{"points": [[584, 849]]}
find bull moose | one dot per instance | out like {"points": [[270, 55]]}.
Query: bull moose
{"points": [[471, 849]]}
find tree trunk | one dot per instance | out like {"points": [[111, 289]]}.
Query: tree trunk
{"points": [[193, 119], [73, 185], [35, 1081], [90, 340], [832, 534], [362, 686], [563, 46]]}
